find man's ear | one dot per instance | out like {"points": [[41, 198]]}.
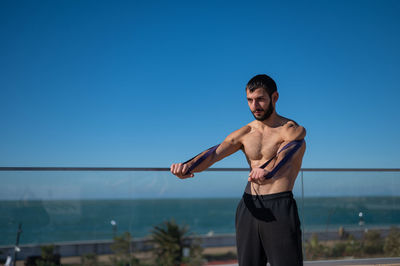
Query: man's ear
{"points": [[274, 97]]}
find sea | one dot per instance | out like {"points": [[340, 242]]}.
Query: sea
{"points": [[54, 221]]}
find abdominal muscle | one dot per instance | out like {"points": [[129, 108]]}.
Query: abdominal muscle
{"points": [[270, 186]]}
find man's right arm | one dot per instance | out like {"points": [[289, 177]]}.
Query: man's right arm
{"points": [[231, 144]]}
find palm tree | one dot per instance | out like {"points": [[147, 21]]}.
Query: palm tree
{"points": [[169, 243]]}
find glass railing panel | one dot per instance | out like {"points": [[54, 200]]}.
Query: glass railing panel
{"points": [[349, 214], [57, 206]]}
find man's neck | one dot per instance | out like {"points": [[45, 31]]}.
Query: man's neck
{"points": [[274, 120]]}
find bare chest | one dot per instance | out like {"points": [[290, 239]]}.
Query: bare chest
{"points": [[261, 145]]}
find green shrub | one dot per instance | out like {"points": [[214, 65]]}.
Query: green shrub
{"points": [[392, 243], [372, 243], [47, 258], [314, 249], [339, 249], [89, 259], [345, 248]]}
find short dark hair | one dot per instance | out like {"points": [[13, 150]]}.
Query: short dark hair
{"points": [[262, 81]]}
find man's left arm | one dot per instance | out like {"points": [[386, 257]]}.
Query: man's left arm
{"points": [[293, 131]]}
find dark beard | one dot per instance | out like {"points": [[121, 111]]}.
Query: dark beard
{"points": [[267, 114]]}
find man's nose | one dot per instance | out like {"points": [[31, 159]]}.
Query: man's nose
{"points": [[255, 105]]}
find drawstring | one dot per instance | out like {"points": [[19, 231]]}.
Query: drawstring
{"points": [[255, 190]]}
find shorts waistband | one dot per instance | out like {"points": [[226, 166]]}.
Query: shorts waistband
{"points": [[279, 195]]}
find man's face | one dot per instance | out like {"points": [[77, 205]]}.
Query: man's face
{"points": [[260, 104]]}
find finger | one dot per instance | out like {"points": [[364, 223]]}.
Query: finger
{"points": [[172, 168], [257, 178], [254, 174], [251, 173], [179, 169], [259, 175], [250, 176], [185, 168], [186, 176]]}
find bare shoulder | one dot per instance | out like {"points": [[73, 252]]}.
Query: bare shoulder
{"points": [[237, 136], [291, 130]]}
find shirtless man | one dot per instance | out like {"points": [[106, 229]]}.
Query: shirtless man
{"points": [[267, 222]]}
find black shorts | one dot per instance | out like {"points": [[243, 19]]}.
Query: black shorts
{"points": [[268, 230]]}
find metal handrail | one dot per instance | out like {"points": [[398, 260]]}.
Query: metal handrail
{"points": [[163, 169]]}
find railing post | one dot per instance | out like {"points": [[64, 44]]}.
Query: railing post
{"points": [[302, 214]]}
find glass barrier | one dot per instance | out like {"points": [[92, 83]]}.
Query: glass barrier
{"points": [[74, 206], [343, 214], [351, 214]]}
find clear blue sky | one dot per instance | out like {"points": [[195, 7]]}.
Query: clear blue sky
{"points": [[148, 83]]}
